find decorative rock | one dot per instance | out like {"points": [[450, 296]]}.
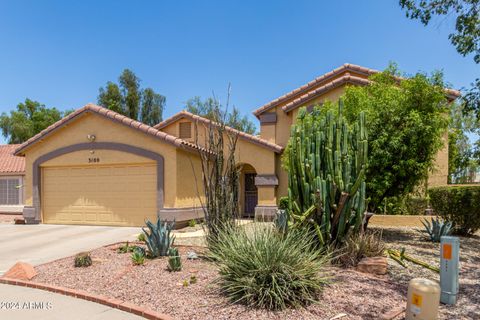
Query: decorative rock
{"points": [[375, 265], [19, 220], [191, 255], [21, 271]]}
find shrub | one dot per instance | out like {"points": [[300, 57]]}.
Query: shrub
{"points": [[359, 246], [125, 248], [141, 237], [459, 205], [416, 205], [437, 228], [261, 268], [192, 223], [174, 260], [138, 257], [158, 237], [283, 203], [193, 279], [83, 259]]}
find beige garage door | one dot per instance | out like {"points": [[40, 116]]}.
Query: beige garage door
{"points": [[111, 195]]}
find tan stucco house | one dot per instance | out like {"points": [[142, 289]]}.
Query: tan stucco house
{"points": [[98, 167]]}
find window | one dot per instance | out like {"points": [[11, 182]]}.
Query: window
{"points": [[9, 191], [185, 130]]}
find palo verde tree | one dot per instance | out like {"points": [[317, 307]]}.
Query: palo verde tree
{"points": [[27, 120], [129, 99]]}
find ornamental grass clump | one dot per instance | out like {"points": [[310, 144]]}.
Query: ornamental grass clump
{"points": [[262, 268], [358, 246]]}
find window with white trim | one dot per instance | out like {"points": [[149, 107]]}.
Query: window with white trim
{"points": [[10, 191]]}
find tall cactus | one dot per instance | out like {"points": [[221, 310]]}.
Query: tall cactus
{"points": [[326, 173]]}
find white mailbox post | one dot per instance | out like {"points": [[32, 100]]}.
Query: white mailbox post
{"points": [[449, 267]]}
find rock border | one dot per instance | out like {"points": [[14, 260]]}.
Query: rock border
{"points": [[81, 294]]}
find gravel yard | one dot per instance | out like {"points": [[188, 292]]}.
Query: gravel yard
{"points": [[359, 296]]}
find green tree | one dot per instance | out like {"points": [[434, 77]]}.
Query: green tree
{"points": [[152, 107], [208, 109], [27, 120], [129, 99], [130, 85], [242, 123], [111, 98], [465, 38], [459, 146], [406, 120]]}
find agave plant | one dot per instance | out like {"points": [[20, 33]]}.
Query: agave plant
{"points": [[437, 228], [174, 260], [158, 237], [138, 257]]}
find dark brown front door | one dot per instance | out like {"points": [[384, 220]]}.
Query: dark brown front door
{"points": [[251, 194]]}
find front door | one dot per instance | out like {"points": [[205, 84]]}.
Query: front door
{"points": [[251, 194]]}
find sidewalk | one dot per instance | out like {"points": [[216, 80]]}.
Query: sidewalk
{"points": [[19, 303]]}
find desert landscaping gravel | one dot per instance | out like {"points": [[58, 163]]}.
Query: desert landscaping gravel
{"points": [[351, 295]]}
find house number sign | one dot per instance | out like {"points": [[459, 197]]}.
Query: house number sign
{"points": [[94, 160]]}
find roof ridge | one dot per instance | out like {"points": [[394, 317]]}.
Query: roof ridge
{"points": [[255, 139], [347, 78], [451, 93], [112, 115]]}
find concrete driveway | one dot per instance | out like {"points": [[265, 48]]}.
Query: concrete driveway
{"points": [[37, 244], [53, 306]]}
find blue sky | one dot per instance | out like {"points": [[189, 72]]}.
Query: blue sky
{"points": [[61, 52]]}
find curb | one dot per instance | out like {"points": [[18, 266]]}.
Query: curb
{"points": [[80, 294]]}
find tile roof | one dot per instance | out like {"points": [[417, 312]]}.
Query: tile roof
{"points": [[310, 95], [111, 115], [325, 78], [251, 138], [10, 163]]}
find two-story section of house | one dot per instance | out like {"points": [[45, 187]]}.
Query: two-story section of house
{"points": [[277, 116]]}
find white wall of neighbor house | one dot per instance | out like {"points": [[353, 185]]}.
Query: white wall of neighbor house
{"points": [[11, 194]]}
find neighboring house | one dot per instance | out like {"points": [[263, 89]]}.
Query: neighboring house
{"points": [[98, 167], [12, 171]]}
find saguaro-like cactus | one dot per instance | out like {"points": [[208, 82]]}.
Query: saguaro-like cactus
{"points": [[326, 173]]}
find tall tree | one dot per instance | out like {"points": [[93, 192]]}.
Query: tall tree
{"points": [[129, 99], [465, 38], [27, 120], [463, 159], [130, 85], [111, 98], [152, 107], [209, 107]]}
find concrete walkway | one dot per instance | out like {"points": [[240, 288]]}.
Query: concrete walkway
{"points": [[18, 303], [37, 244]]}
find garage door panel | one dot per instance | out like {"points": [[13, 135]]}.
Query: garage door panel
{"points": [[116, 195]]}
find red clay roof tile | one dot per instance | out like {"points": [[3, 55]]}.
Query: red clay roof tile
{"points": [[254, 139], [10, 163], [301, 91], [114, 117]]}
